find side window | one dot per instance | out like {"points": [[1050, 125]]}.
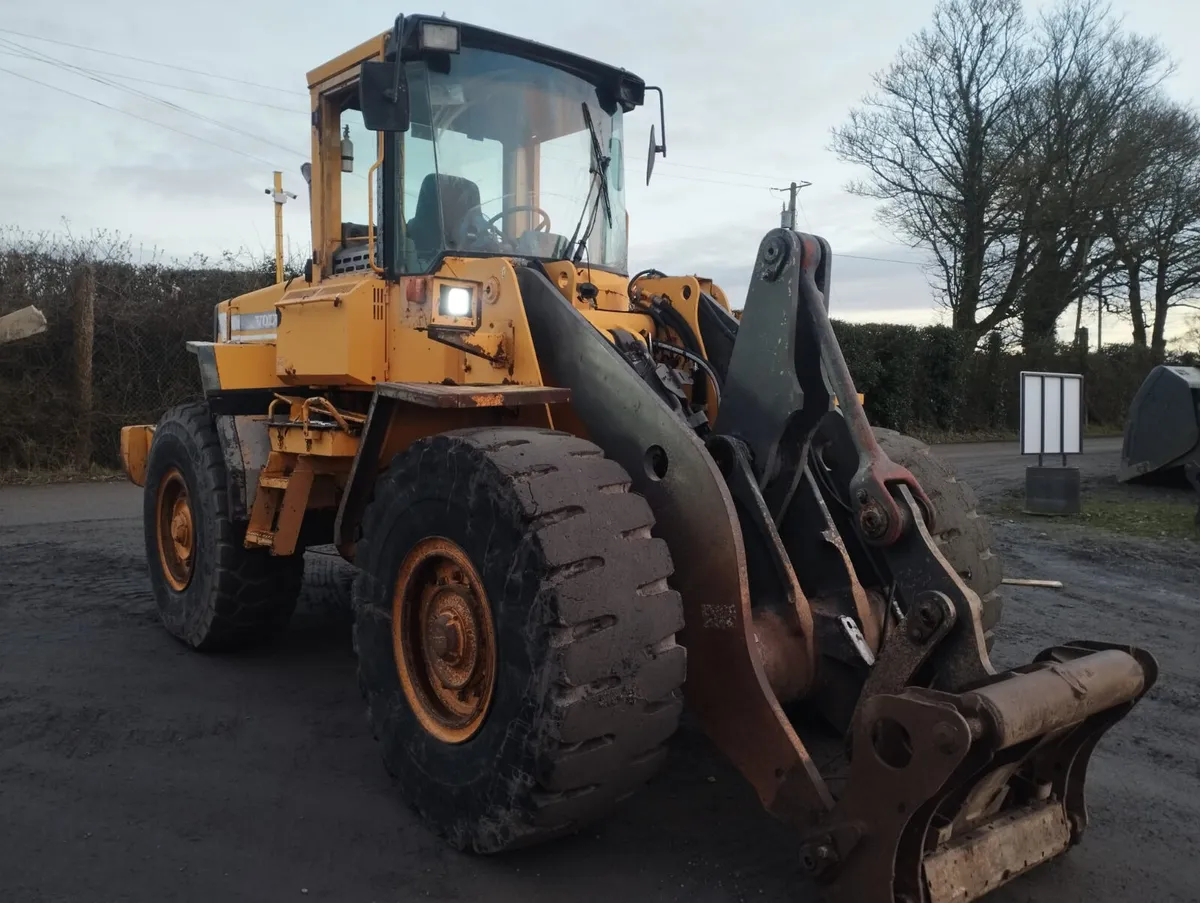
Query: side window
{"points": [[421, 212], [420, 215], [616, 241], [477, 164], [358, 153], [566, 186], [449, 179]]}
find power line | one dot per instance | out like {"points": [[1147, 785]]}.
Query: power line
{"points": [[257, 159], [99, 103], [671, 175], [240, 81], [154, 81], [138, 59], [99, 76], [38, 56], [911, 263], [804, 213], [730, 172]]}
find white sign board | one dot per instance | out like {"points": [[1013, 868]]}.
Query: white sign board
{"points": [[1051, 413]]}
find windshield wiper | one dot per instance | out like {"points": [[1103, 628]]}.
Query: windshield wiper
{"points": [[599, 169]]}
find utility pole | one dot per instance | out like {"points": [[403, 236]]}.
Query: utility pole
{"points": [[280, 197], [787, 215]]}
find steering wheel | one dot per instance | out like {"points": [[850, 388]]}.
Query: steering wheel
{"points": [[543, 226], [474, 220]]}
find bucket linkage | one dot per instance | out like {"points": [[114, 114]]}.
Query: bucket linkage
{"points": [[960, 778]]}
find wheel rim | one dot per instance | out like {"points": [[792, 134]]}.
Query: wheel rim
{"points": [[443, 640], [176, 530]]}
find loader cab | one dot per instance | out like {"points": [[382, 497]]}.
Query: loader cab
{"points": [[497, 146]]}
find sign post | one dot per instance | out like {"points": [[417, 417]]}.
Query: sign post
{"points": [[1051, 425]]}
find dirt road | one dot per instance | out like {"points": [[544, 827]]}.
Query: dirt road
{"points": [[134, 770], [993, 467]]}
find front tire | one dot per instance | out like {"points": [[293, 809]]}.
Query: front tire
{"points": [[212, 592], [515, 634], [963, 535]]}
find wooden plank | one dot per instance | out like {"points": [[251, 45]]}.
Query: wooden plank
{"points": [[1020, 581], [21, 324], [436, 395]]}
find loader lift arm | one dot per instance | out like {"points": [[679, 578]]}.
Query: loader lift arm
{"points": [[960, 778]]}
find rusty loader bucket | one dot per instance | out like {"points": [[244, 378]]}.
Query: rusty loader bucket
{"points": [[1162, 432]]}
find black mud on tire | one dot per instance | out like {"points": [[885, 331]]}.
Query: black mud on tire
{"points": [[589, 674], [963, 535], [236, 596]]}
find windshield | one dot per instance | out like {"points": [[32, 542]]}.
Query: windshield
{"points": [[500, 158]]}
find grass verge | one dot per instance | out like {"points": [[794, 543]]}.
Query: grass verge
{"points": [[93, 474], [948, 437], [1168, 517]]}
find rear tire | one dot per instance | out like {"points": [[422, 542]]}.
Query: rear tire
{"points": [[212, 592], [964, 536], [570, 592]]}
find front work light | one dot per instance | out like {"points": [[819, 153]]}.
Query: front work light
{"points": [[454, 301], [439, 36]]}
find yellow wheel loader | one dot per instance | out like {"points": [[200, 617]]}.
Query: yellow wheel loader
{"points": [[578, 502]]}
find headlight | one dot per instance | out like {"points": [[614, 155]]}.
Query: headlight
{"points": [[436, 36], [454, 301]]}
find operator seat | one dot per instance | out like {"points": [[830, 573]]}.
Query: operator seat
{"points": [[432, 229]]}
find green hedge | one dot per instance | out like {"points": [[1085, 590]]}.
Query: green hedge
{"points": [[915, 379], [144, 315], [911, 376], [929, 379]]}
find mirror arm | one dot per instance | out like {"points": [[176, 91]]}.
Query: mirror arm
{"points": [[662, 121], [394, 93]]}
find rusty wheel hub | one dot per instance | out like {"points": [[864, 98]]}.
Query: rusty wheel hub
{"points": [[176, 531], [443, 640]]}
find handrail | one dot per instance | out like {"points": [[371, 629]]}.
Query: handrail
{"points": [[371, 208], [336, 299]]}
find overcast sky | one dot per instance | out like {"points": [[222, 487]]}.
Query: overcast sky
{"points": [[752, 91]]}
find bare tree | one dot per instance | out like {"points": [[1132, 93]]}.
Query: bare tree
{"points": [[1007, 150], [1155, 226], [929, 136], [1189, 343], [1076, 165]]}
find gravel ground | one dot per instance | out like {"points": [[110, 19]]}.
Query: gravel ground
{"points": [[134, 770]]}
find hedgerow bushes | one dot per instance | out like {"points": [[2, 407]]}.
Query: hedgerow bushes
{"points": [[916, 379], [144, 314], [928, 379]]}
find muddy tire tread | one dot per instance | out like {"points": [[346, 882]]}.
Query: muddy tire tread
{"points": [[963, 535], [252, 594], [611, 674]]}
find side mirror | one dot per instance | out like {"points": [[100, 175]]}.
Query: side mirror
{"points": [[383, 96], [655, 147], [650, 154]]}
